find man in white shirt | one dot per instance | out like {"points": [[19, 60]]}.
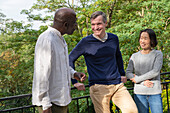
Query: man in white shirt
{"points": [[52, 73]]}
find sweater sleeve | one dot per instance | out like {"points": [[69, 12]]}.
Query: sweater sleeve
{"points": [[119, 60], [130, 68], [73, 81], [154, 72], [74, 55]]}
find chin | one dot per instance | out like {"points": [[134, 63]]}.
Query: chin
{"points": [[97, 34], [143, 48]]}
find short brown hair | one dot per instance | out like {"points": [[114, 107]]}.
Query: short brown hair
{"points": [[98, 13]]}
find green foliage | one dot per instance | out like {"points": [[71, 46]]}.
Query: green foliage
{"points": [[14, 79], [125, 18], [164, 100], [17, 58], [82, 102]]}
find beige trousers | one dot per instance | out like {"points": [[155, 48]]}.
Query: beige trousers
{"points": [[102, 94]]}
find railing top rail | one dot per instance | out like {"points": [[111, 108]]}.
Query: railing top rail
{"points": [[18, 108], [13, 97], [164, 73]]}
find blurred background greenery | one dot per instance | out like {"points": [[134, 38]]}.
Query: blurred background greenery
{"points": [[125, 19]]}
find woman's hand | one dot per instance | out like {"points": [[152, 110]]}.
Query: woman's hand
{"points": [[148, 83], [133, 79]]}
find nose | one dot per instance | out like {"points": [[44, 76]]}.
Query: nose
{"points": [[95, 27]]}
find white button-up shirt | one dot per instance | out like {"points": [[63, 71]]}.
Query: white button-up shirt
{"points": [[52, 73]]}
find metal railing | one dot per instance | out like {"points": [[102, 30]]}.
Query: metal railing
{"points": [[22, 103]]}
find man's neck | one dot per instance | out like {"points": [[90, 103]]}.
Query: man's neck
{"points": [[103, 39]]}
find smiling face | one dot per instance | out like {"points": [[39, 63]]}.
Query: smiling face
{"points": [[145, 41], [98, 26]]}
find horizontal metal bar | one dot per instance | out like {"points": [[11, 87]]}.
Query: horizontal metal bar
{"points": [[18, 108], [14, 97]]}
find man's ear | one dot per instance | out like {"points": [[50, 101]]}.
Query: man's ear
{"points": [[65, 25]]}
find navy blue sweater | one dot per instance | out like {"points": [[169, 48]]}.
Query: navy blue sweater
{"points": [[103, 59]]}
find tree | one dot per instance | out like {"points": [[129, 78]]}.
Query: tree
{"points": [[125, 18]]}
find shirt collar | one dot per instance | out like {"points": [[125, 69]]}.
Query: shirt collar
{"points": [[101, 39], [55, 31]]}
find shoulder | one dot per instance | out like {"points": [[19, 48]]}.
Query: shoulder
{"points": [[84, 41], [111, 35], [87, 38], [134, 55], [157, 52], [47, 35], [48, 38], [137, 53], [43, 37]]}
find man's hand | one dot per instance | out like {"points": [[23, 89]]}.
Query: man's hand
{"points": [[47, 110], [123, 79], [148, 83], [80, 86], [80, 76]]}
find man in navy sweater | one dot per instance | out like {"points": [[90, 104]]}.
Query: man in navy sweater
{"points": [[105, 67]]}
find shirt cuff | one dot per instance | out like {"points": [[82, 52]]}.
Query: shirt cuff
{"points": [[45, 107], [72, 71]]}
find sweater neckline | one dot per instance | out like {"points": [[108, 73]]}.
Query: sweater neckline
{"points": [[100, 40], [148, 53]]}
